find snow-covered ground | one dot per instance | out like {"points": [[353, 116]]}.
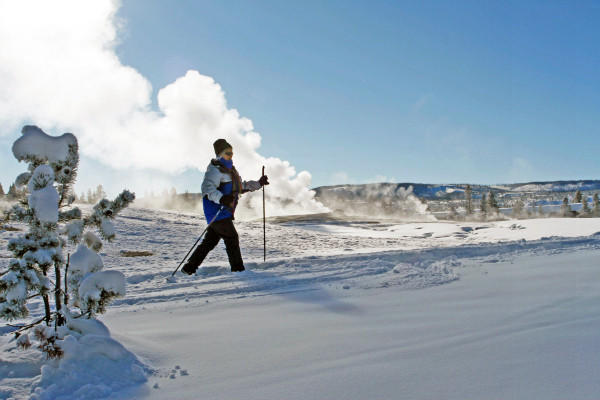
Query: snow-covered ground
{"points": [[352, 310]]}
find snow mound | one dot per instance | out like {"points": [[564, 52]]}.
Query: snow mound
{"points": [[86, 326], [36, 144], [43, 199], [44, 203], [93, 367], [17, 293], [84, 261], [42, 177], [92, 286]]}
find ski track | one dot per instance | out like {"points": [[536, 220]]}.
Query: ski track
{"points": [[410, 269], [300, 256]]}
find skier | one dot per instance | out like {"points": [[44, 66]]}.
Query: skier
{"points": [[221, 189]]}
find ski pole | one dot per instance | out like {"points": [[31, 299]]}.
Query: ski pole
{"points": [[264, 220], [199, 238]]}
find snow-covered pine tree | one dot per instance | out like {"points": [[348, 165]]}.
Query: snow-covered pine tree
{"points": [[1, 190], [53, 221], [469, 200], [596, 202], [578, 197]]}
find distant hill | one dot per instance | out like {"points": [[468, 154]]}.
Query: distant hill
{"points": [[447, 191], [556, 186]]}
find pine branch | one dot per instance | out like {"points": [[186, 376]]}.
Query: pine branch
{"points": [[74, 213], [54, 284], [33, 296], [88, 313], [21, 328]]}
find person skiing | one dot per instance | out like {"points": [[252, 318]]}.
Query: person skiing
{"points": [[221, 189]]}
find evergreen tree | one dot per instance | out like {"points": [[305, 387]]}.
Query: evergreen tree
{"points": [[492, 203], [453, 214], [596, 205], [469, 200], [1, 190], [39, 265], [99, 194], [565, 208], [12, 192], [585, 210], [518, 207], [578, 197], [483, 205]]}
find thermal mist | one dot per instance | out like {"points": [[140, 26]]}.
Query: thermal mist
{"points": [[60, 70], [376, 201]]}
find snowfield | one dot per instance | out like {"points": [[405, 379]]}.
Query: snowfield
{"points": [[356, 309]]}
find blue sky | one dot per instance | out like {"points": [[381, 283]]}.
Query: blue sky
{"points": [[412, 91], [363, 91]]}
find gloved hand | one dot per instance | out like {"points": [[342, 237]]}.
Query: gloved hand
{"points": [[227, 200], [264, 180]]}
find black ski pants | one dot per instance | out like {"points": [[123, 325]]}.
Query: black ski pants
{"points": [[222, 229]]}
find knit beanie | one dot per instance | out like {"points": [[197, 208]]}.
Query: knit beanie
{"points": [[221, 145]]}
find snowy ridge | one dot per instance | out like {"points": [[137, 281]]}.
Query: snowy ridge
{"points": [[557, 186]]}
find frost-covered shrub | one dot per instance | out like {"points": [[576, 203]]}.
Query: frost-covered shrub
{"points": [[39, 266], [97, 290], [83, 263]]}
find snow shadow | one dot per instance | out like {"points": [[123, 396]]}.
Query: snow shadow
{"points": [[294, 291]]}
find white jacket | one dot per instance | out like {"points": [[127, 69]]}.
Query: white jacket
{"points": [[213, 178]]}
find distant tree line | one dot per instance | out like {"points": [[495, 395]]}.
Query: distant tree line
{"points": [[12, 194], [586, 209], [92, 196], [489, 207], [171, 200]]}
